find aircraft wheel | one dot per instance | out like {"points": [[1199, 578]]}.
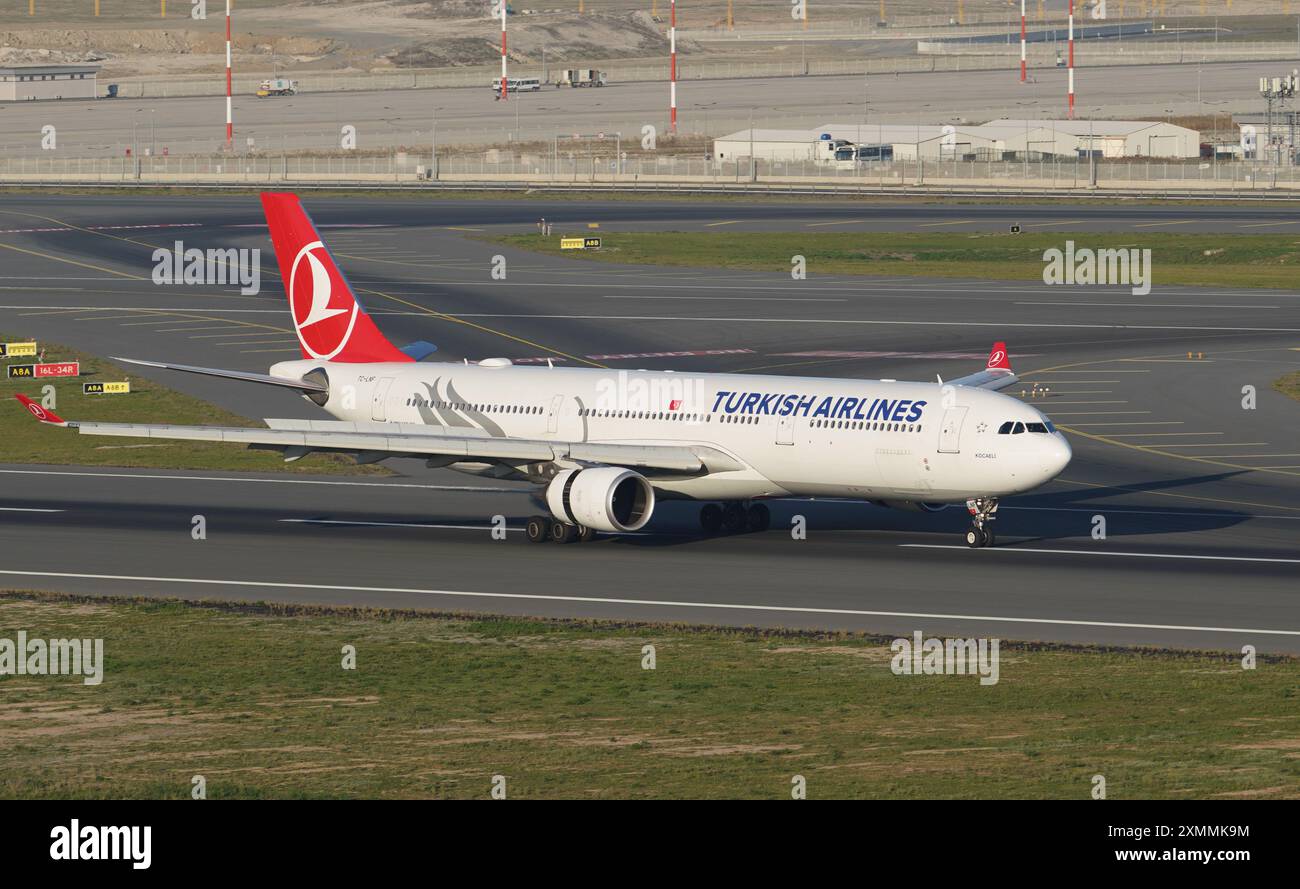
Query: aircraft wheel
{"points": [[758, 517], [563, 532], [538, 529], [974, 538], [585, 534], [711, 518], [988, 537], [733, 518]]}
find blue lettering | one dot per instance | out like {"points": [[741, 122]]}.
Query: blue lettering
{"points": [[805, 403], [915, 413], [788, 405], [718, 401], [823, 409], [857, 413], [765, 405], [846, 409], [734, 401], [750, 400], [900, 409], [882, 409]]}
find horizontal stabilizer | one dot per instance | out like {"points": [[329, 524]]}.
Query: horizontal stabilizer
{"points": [[266, 379]]}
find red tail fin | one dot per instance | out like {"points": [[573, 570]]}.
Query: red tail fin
{"points": [[330, 322], [998, 359]]}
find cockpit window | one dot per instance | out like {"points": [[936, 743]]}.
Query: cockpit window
{"points": [[1036, 427], [1014, 427], [1005, 428], [1018, 428]]}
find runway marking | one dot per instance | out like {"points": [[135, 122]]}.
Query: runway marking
{"points": [[1155, 224], [1264, 224], [1241, 456], [229, 328], [26, 509], [728, 222], [1216, 444], [772, 299], [84, 265], [1062, 222], [1167, 513], [150, 323], [458, 228], [661, 603], [1102, 552], [1136, 423], [1162, 435], [261, 351], [1130, 489], [1141, 305], [839, 222], [395, 525], [265, 481], [954, 222], [1092, 413]]}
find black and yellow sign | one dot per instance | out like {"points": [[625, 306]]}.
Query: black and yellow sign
{"points": [[17, 350], [105, 388], [579, 243], [22, 371]]}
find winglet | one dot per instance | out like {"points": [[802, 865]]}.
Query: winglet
{"points": [[998, 359], [41, 413]]}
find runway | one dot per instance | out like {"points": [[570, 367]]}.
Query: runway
{"points": [[471, 116], [1198, 494]]}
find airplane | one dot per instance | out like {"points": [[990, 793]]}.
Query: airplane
{"points": [[604, 446]]}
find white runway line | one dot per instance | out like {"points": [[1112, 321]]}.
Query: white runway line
{"points": [[25, 509], [1102, 552], [395, 524], [663, 603]]}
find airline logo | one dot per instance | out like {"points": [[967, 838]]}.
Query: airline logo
{"points": [[37, 411], [843, 407], [998, 359], [324, 311]]}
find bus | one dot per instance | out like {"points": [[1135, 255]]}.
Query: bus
{"points": [[518, 84]]}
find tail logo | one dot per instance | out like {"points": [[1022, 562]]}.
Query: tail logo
{"points": [[321, 331], [37, 411], [997, 357]]}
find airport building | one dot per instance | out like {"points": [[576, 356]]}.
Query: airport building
{"points": [[23, 83], [996, 140]]}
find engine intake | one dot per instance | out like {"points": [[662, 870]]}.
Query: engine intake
{"points": [[605, 498]]}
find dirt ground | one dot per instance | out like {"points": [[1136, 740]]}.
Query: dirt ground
{"points": [[131, 37]]}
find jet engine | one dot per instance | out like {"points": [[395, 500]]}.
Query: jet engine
{"points": [[605, 498]]}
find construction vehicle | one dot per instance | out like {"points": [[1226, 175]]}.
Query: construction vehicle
{"points": [[580, 77], [278, 87]]}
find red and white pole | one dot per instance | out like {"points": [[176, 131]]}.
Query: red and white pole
{"points": [[1070, 113], [1022, 41], [672, 69], [505, 84], [230, 123]]}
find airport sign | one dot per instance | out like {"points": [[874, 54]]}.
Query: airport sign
{"points": [[17, 350], [60, 369], [122, 388]]}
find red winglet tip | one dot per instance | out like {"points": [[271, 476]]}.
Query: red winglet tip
{"points": [[37, 411], [998, 358]]}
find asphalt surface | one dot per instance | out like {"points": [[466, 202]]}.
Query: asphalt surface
{"points": [[1199, 495], [471, 116]]}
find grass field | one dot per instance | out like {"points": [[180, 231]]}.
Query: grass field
{"points": [[1289, 385], [1221, 260], [255, 699], [23, 440]]}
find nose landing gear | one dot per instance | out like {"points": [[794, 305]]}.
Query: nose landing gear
{"points": [[982, 511]]}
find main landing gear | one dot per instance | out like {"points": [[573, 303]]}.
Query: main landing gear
{"points": [[982, 513], [543, 529], [734, 517]]}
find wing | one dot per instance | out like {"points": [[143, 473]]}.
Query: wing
{"points": [[995, 375], [376, 441]]}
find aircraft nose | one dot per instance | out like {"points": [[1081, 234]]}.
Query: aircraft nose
{"points": [[1058, 455]]}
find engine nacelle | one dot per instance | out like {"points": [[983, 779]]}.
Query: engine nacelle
{"points": [[605, 498], [911, 505]]}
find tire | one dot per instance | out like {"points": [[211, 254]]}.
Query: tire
{"points": [[988, 537], [563, 532], [733, 518], [586, 535], [711, 518], [974, 538], [758, 517], [538, 529]]}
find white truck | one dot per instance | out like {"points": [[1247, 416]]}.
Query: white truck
{"points": [[576, 77], [278, 87]]}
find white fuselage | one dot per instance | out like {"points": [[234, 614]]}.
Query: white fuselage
{"points": [[795, 436]]}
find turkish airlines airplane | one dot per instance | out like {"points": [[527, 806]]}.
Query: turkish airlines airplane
{"points": [[604, 446]]}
